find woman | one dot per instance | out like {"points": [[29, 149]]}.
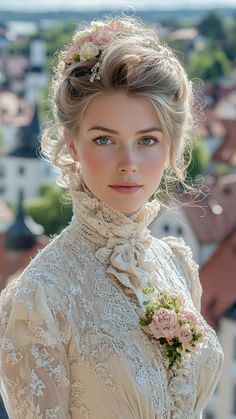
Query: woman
{"points": [[105, 323]]}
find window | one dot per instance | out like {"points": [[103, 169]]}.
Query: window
{"points": [[179, 231], [21, 170], [166, 228], [227, 190]]}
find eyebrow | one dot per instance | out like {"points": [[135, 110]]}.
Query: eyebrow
{"points": [[112, 131]]}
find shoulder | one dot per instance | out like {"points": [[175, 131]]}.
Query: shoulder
{"points": [[46, 269], [178, 247], [182, 256], [33, 309]]}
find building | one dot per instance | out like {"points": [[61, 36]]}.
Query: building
{"points": [[22, 167], [19, 242], [218, 278]]}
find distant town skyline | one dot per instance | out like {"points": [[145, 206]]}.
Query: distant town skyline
{"points": [[57, 5]]}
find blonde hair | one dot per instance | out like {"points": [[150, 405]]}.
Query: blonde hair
{"points": [[137, 62]]}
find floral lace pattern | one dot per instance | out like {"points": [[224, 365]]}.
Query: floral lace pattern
{"points": [[71, 343]]}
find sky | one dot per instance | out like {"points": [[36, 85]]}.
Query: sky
{"points": [[56, 5]]}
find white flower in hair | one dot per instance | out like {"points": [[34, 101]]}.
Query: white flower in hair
{"points": [[88, 51], [97, 25]]}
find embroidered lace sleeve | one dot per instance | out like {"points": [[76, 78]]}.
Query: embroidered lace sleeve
{"points": [[34, 370], [190, 268]]}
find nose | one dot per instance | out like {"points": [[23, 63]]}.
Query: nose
{"points": [[127, 162]]}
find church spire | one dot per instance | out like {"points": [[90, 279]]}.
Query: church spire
{"points": [[22, 233], [28, 139]]}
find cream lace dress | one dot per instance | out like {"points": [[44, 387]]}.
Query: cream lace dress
{"points": [[71, 343]]}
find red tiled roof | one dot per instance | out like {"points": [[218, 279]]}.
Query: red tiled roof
{"points": [[226, 106], [12, 261], [214, 216], [216, 91], [187, 34], [210, 125], [226, 153], [218, 278]]}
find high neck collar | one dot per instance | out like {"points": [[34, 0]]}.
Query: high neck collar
{"points": [[123, 241], [87, 209]]}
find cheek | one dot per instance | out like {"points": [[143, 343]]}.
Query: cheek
{"points": [[155, 163], [93, 164]]}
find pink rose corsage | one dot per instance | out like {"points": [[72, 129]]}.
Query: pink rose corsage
{"points": [[171, 324]]}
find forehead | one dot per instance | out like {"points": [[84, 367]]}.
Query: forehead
{"points": [[118, 108]]}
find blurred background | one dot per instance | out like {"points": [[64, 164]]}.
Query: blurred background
{"points": [[33, 208]]}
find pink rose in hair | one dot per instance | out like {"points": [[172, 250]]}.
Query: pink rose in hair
{"points": [[73, 52], [117, 26], [87, 37], [102, 37]]}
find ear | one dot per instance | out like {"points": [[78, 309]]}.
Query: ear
{"points": [[72, 150], [70, 144]]}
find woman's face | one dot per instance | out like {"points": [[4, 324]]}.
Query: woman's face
{"points": [[121, 149]]}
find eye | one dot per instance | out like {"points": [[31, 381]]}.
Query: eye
{"points": [[149, 141], [102, 140]]}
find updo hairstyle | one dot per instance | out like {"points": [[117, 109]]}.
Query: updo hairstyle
{"points": [[136, 61]]}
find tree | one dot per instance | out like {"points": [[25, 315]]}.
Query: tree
{"points": [[56, 37], [200, 159], [229, 44], [209, 65], [45, 109], [212, 26], [52, 209]]}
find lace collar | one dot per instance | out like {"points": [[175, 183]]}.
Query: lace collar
{"points": [[123, 240]]}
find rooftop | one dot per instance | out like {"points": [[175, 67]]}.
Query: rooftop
{"points": [[13, 261], [218, 281], [213, 216]]}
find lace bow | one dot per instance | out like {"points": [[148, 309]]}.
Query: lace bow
{"points": [[126, 260]]}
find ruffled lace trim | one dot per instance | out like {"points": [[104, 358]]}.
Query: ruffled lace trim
{"points": [[124, 240], [182, 388]]}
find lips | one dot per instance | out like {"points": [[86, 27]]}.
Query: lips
{"points": [[126, 188], [126, 185]]}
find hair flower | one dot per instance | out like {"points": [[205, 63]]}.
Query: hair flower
{"points": [[88, 51], [90, 43], [102, 38], [175, 328], [97, 25], [73, 53]]}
